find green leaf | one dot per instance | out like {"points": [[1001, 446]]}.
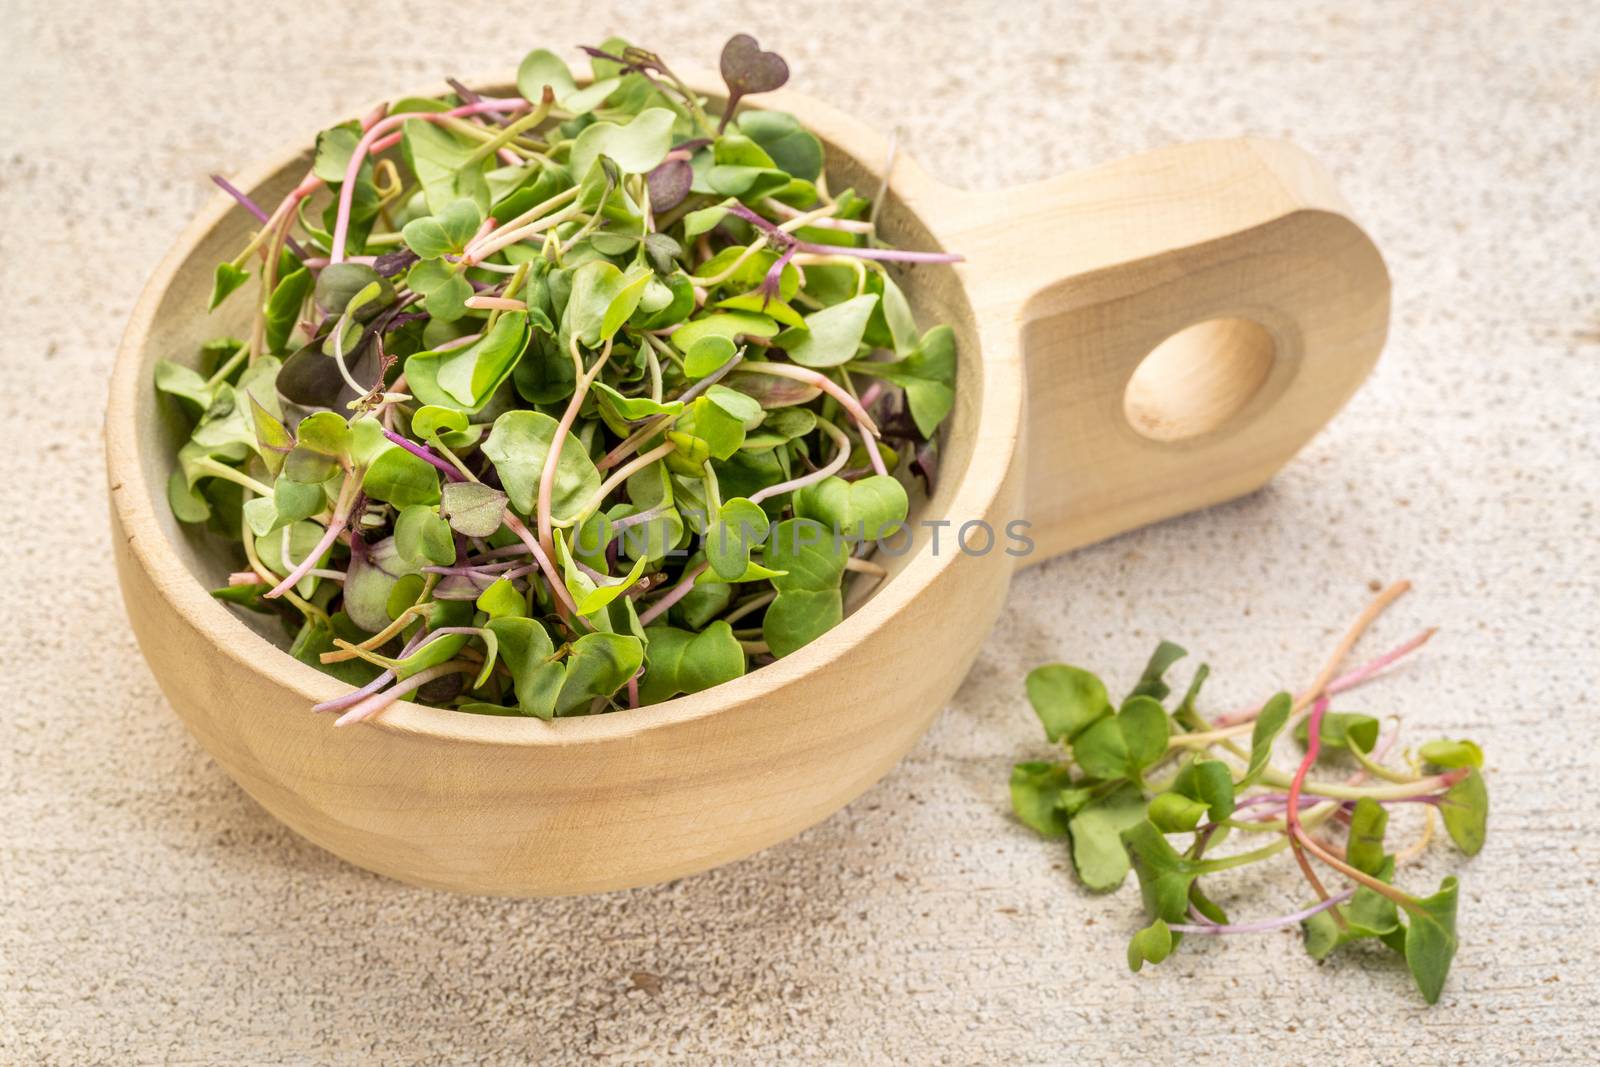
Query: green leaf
{"points": [[705, 429], [188, 505], [1041, 793], [1097, 850], [1125, 744], [634, 408], [1175, 813], [401, 478], [588, 594], [283, 308], [1452, 754], [1430, 943], [472, 508], [540, 68], [1364, 847], [372, 585], [706, 219], [1164, 875], [601, 300], [636, 147], [1152, 681], [739, 527], [809, 602], [1210, 782], [179, 381], [466, 377], [927, 376], [1342, 728], [866, 509], [518, 445], [790, 146], [681, 661], [625, 300], [227, 279], [445, 233], [1465, 810], [432, 421], [832, 335], [598, 665], [1269, 724], [294, 501], [896, 312], [340, 284], [708, 355], [444, 289], [728, 324], [421, 536], [325, 433], [334, 147], [439, 160], [1151, 945], [502, 601], [1066, 699], [526, 650]]}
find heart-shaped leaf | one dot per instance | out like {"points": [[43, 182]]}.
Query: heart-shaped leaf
{"points": [[1097, 849], [809, 602], [1123, 745], [637, 147], [421, 536], [681, 661], [1066, 699], [832, 335], [739, 527], [747, 69], [868, 509], [518, 445]]}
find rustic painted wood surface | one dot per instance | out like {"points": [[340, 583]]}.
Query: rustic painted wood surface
{"points": [[151, 911]]}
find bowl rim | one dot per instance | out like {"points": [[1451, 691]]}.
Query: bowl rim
{"points": [[133, 503]]}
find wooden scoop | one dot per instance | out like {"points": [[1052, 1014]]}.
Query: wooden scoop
{"points": [[1135, 341]]}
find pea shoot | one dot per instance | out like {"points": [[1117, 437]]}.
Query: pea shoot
{"points": [[563, 401], [1137, 775]]}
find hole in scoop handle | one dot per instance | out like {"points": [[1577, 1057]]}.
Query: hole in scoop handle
{"points": [[1189, 320]]}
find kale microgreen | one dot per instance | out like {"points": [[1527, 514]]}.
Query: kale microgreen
{"points": [[498, 439], [1135, 775]]}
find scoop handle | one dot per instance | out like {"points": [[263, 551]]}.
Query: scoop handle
{"points": [[1188, 320]]}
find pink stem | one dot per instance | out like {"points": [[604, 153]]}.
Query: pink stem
{"points": [[1260, 926], [331, 534], [557, 587], [838, 461], [821, 381], [677, 593], [375, 703], [1343, 683], [347, 189], [423, 452]]}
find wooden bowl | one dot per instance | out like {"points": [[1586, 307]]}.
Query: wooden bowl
{"points": [[1135, 341]]}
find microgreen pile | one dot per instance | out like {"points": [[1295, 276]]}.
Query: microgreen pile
{"points": [[560, 402], [1138, 775]]}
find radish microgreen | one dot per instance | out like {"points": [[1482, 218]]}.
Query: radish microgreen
{"points": [[536, 386], [1134, 776]]}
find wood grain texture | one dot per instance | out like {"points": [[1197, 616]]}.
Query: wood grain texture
{"points": [[513, 806]]}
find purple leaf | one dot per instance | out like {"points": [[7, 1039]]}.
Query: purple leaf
{"points": [[669, 184]]}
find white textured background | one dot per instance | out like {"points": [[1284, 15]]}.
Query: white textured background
{"points": [[151, 912]]}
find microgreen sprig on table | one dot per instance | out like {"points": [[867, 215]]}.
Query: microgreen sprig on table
{"points": [[552, 403], [1136, 775]]}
